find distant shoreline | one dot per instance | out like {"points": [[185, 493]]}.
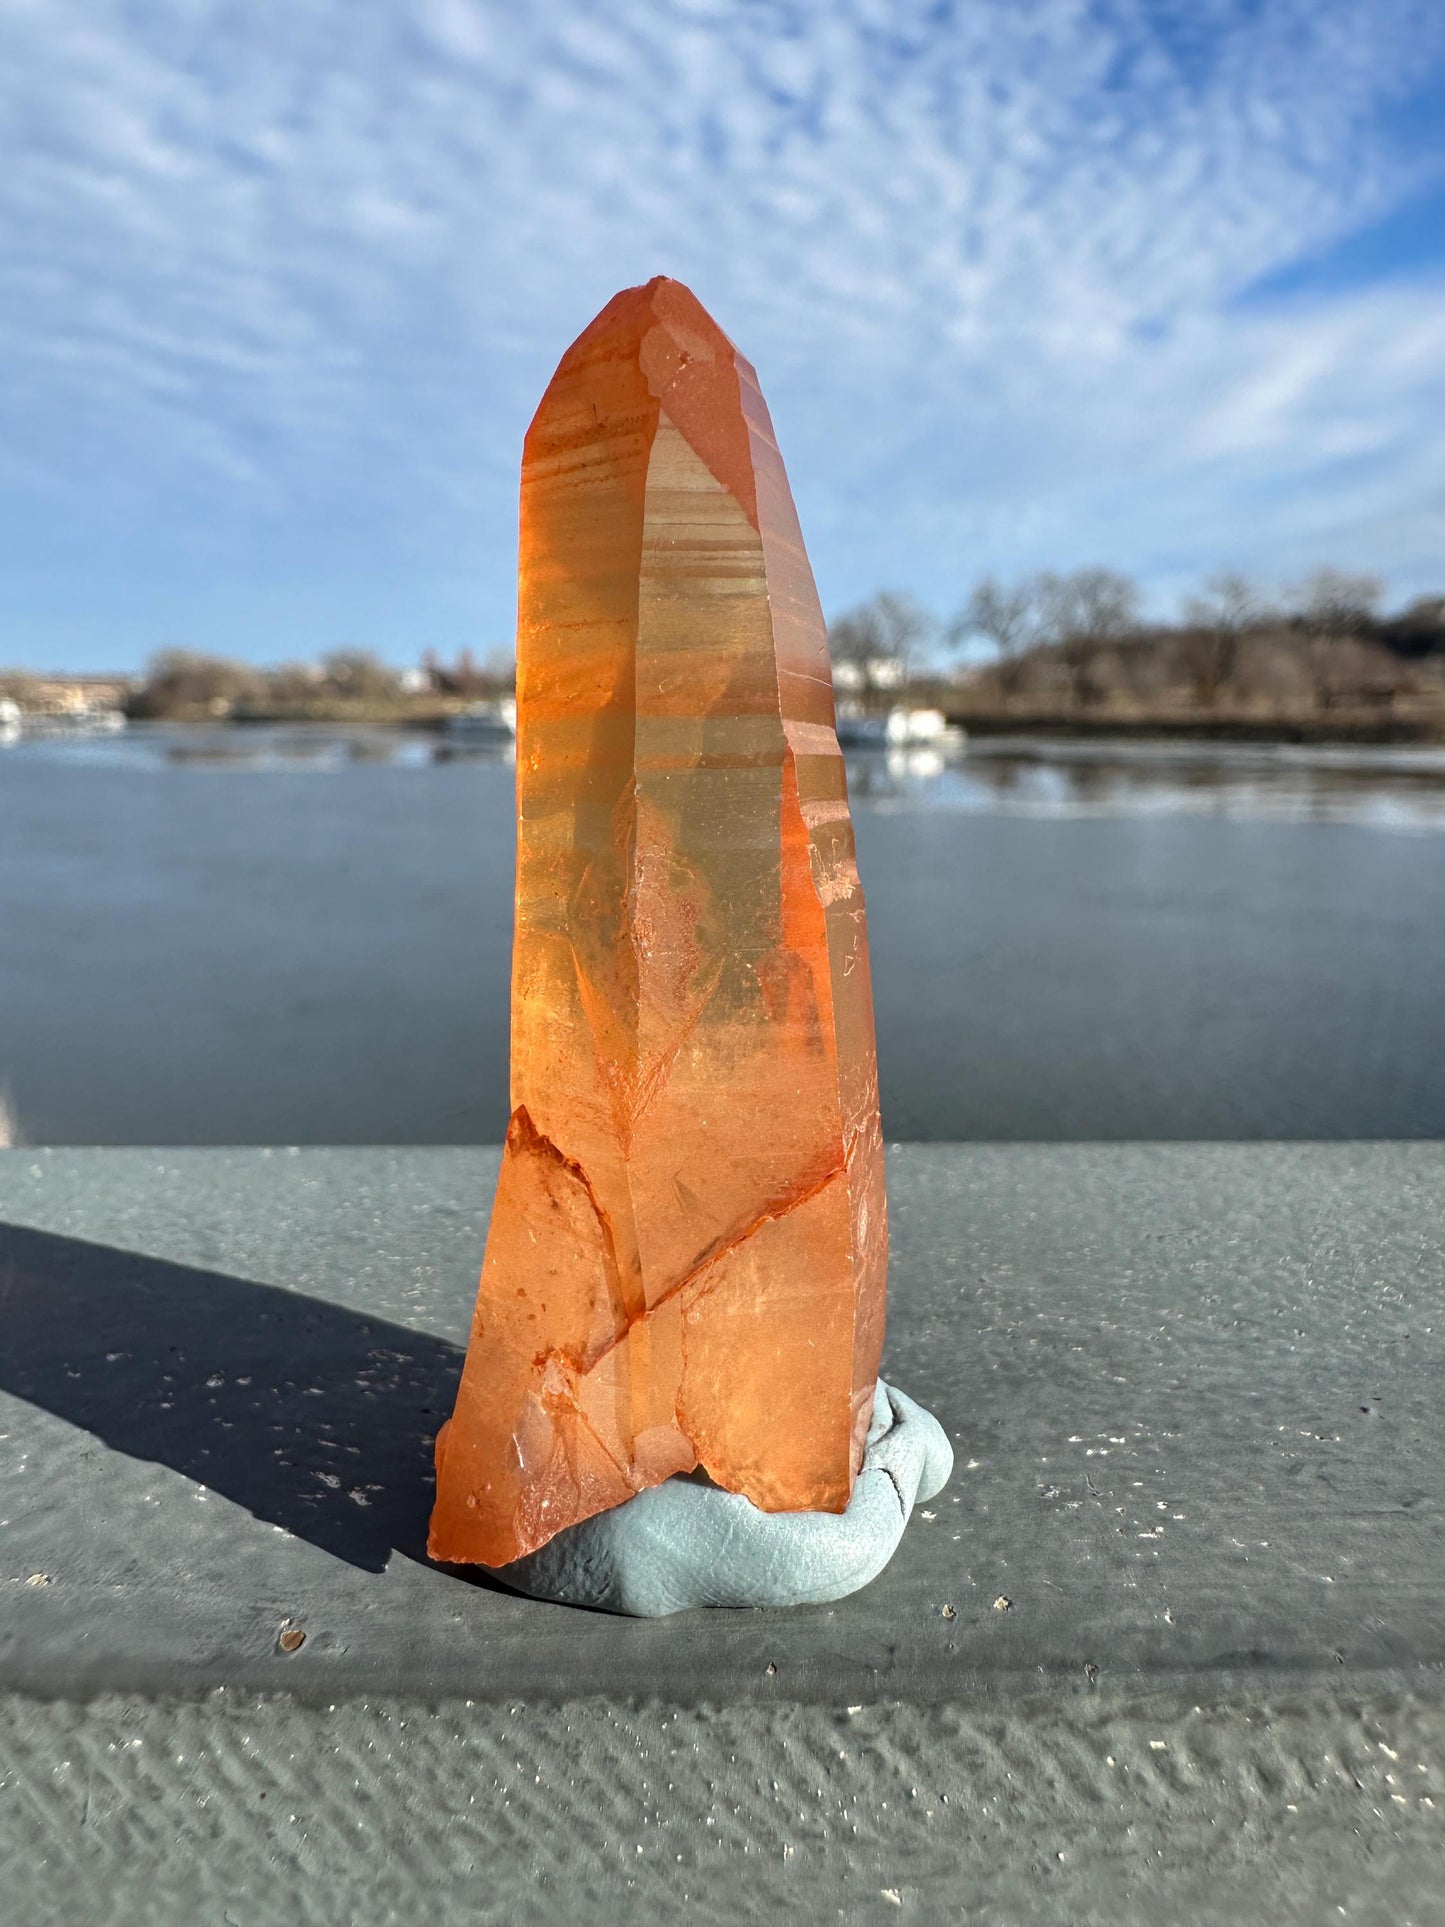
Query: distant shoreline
{"points": [[336, 715], [1377, 731], [1346, 729]]}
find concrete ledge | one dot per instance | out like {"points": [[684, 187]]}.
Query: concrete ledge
{"points": [[1194, 1393], [1099, 1812], [1169, 1648]]}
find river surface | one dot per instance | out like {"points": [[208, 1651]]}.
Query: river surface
{"points": [[302, 935]]}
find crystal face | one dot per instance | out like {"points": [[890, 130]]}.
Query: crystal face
{"points": [[687, 1257]]}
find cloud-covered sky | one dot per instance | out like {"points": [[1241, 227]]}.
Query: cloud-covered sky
{"points": [[1154, 283]]}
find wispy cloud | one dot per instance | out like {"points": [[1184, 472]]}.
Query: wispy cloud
{"points": [[282, 282]]}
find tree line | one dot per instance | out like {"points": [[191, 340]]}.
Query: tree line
{"points": [[1079, 640], [189, 683], [1039, 644]]}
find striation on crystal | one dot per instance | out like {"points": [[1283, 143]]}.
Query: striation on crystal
{"points": [[687, 1257]]}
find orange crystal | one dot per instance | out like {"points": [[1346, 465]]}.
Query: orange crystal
{"points": [[688, 1249]]}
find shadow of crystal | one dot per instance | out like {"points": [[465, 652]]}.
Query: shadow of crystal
{"points": [[313, 1417]]}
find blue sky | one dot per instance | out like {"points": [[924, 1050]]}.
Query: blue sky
{"points": [[1153, 283]]}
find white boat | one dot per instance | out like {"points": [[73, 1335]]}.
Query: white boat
{"points": [[494, 722], [891, 729], [58, 722], [917, 726]]}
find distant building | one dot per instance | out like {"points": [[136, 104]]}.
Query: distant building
{"points": [[74, 695], [878, 672]]}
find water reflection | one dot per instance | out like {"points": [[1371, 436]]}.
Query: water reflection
{"points": [[259, 748], [1383, 788]]}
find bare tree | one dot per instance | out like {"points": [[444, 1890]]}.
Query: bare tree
{"points": [[905, 626], [1333, 602], [881, 638], [359, 674], [1216, 620], [293, 682], [1083, 613], [182, 681], [1007, 616], [1334, 607], [853, 639]]}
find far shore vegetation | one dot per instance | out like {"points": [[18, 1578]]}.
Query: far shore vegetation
{"points": [[345, 686], [1072, 653], [1068, 653]]}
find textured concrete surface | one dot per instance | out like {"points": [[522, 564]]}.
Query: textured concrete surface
{"points": [[1194, 1393], [1096, 1812]]}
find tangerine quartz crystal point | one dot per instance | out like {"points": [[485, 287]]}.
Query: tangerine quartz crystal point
{"points": [[688, 1251]]}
